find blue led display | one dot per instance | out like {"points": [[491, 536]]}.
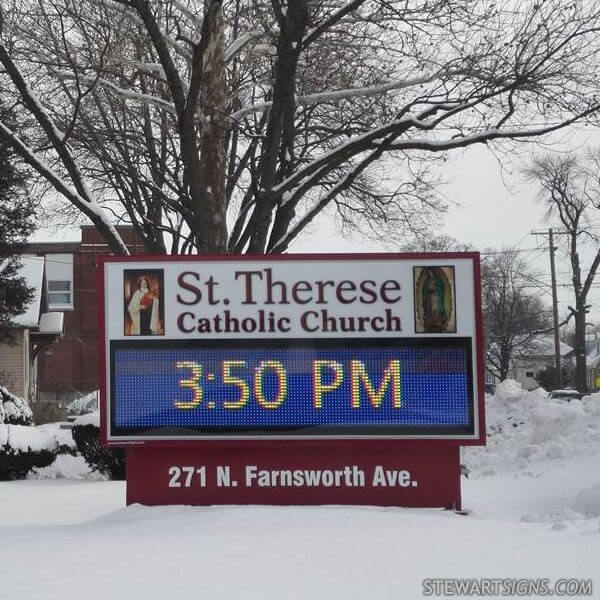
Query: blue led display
{"points": [[356, 386]]}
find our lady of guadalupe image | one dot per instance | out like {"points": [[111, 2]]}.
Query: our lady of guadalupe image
{"points": [[143, 303], [434, 300]]}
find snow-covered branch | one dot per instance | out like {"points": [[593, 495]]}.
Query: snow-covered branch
{"points": [[336, 95], [124, 93], [241, 42], [86, 204]]}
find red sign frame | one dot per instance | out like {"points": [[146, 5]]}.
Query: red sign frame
{"points": [[436, 461]]}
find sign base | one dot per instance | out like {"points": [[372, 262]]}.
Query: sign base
{"points": [[381, 473]]}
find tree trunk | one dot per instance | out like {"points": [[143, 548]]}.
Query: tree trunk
{"points": [[504, 364], [293, 26], [213, 144]]}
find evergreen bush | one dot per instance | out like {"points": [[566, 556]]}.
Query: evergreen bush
{"points": [[108, 461]]}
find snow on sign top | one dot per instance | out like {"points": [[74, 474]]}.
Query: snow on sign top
{"points": [[379, 344]]}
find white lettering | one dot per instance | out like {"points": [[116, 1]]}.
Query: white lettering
{"points": [[347, 477], [389, 478], [223, 476]]}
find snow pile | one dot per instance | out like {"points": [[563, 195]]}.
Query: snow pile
{"points": [[85, 404], [66, 466], [13, 409], [588, 502], [23, 439], [89, 419], [526, 428], [63, 437]]}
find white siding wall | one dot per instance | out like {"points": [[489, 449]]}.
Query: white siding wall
{"points": [[14, 364]]}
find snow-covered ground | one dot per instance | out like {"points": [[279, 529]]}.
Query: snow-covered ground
{"points": [[66, 535]]}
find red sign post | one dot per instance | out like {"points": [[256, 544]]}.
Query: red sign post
{"points": [[346, 379], [378, 473]]}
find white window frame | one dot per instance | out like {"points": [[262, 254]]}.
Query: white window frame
{"points": [[60, 305], [59, 268]]}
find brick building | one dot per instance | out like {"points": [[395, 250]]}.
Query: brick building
{"points": [[68, 368]]}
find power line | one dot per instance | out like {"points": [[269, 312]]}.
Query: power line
{"points": [[494, 252]]}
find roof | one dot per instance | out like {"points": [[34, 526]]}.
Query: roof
{"points": [[32, 270], [543, 345]]}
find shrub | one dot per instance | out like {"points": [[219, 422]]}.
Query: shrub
{"points": [[63, 438], [22, 448], [108, 461], [13, 410], [84, 405]]}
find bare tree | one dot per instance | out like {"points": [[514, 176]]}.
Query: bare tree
{"points": [[222, 125], [570, 189], [514, 315], [437, 243]]}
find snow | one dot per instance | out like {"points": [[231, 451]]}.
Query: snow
{"points": [[240, 42], [12, 407], [35, 507], [527, 428], [24, 438], [264, 49], [52, 322], [92, 418], [536, 516], [588, 501], [32, 270], [62, 437], [343, 94], [123, 92], [66, 466], [84, 405], [286, 197], [543, 345]]}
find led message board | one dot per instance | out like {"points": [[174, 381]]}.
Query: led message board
{"points": [[298, 347]]}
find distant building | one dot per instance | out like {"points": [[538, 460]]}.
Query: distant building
{"points": [[526, 369]]}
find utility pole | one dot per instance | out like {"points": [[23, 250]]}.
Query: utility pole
{"points": [[557, 361], [557, 365]]}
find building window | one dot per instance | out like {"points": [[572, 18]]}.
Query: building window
{"points": [[59, 278], [59, 293], [529, 374]]}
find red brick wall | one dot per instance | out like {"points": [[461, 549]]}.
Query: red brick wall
{"points": [[72, 362]]}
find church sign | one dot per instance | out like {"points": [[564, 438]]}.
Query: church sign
{"points": [[279, 353]]}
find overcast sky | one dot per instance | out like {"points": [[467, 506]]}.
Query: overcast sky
{"points": [[496, 208]]}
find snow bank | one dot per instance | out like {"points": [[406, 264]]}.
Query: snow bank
{"points": [[588, 502], [23, 438], [66, 467], [63, 437], [89, 419], [526, 428]]}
